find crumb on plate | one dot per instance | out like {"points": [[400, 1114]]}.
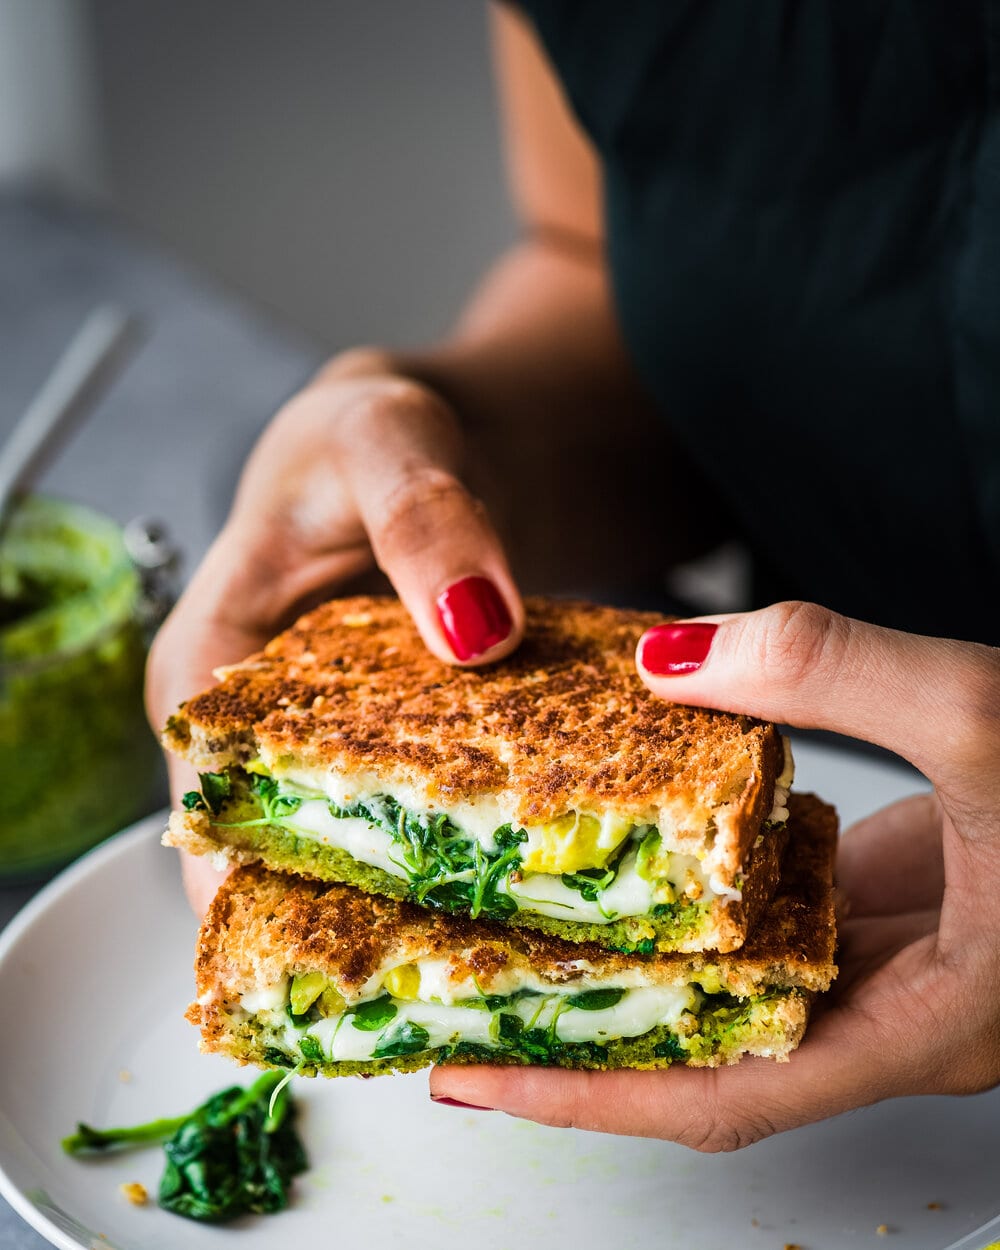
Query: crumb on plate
{"points": [[135, 1193]]}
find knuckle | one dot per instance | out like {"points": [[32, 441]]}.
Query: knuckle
{"points": [[420, 511], [374, 411], [800, 639], [724, 1136], [719, 1127]]}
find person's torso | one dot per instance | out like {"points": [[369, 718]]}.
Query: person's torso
{"points": [[802, 202]]}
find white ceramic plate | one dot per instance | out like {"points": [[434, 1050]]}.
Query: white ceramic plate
{"points": [[94, 978]]}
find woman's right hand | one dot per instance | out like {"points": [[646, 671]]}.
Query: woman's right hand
{"points": [[360, 469]]}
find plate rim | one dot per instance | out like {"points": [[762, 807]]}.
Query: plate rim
{"points": [[118, 844]]}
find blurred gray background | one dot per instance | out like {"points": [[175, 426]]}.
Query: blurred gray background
{"points": [[337, 161], [265, 182], [269, 181]]}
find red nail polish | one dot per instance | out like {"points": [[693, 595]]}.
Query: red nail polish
{"points": [[669, 650], [453, 1102], [474, 616]]}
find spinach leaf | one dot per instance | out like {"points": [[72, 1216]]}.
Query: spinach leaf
{"points": [[510, 1028], [216, 788], [232, 1157], [536, 1045], [311, 1049], [446, 868], [228, 1157], [276, 805], [588, 883], [486, 900], [370, 1017], [596, 1000], [669, 1048], [405, 1039], [278, 1057], [507, 836], [89, 1140], [193, 802]]}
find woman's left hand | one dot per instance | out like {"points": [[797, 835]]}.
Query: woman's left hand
{"points": [[915, 1008]]}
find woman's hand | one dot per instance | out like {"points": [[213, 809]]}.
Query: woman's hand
{"points": [[915, 1009], [362, 468]]}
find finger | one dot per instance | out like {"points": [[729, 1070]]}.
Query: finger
{"points": [[834, 1070], [893, 861], [430, 536], [865, 943], [201, 881], [936, 702], [191, 643]]}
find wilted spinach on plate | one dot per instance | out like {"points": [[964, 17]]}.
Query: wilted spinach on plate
{"points": [[236, 1153]]}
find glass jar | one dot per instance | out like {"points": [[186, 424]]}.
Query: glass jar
{"points": [[77, 759]]}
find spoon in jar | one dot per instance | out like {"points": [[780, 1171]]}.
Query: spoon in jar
{"points": [[93, 359]]}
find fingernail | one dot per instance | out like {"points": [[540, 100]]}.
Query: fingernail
{"points": [[473, 616], [442, 1101], [669, 650]]}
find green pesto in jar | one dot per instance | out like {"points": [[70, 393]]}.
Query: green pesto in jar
{"points": [[77, 761]]}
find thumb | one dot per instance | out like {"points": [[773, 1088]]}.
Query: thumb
{"points": [[430, 536], [934, 701]]}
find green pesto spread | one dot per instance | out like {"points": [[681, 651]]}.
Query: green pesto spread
{"points": [[79, 761]]}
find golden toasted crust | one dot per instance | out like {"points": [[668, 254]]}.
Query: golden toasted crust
{"points": [[263, 926], [562, 725]]}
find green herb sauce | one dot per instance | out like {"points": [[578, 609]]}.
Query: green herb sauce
{"points": [[80, 761]]}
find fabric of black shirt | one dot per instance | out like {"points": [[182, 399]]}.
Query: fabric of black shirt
{"points": [[802, 205]]}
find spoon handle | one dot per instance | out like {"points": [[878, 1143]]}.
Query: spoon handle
{"points": [[79, 377]]}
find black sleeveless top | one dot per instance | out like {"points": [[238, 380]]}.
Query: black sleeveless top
{"points": [[802, 202]]}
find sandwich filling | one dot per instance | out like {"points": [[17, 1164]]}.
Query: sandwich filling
{"points": [[303, 1021], [583, 867], [322, 977]]}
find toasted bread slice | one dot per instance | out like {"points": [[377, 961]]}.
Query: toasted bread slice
{"points": [[378, 985], [559, 749]]}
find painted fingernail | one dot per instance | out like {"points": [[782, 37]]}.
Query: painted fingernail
{"points": [[473, 616], [442, 1101], [670, 650]]}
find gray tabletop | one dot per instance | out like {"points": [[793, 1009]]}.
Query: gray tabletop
{"points": [[169, 438]]}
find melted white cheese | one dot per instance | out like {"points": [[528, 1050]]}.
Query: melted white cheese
{"points": [[637, 1012], [363, 841], [477, 817], [779, 810], [628, 895], [270, 998], [542, 893]]}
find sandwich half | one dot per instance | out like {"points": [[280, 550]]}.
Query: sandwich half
{"points": [[323, 978], [551, 790]]}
